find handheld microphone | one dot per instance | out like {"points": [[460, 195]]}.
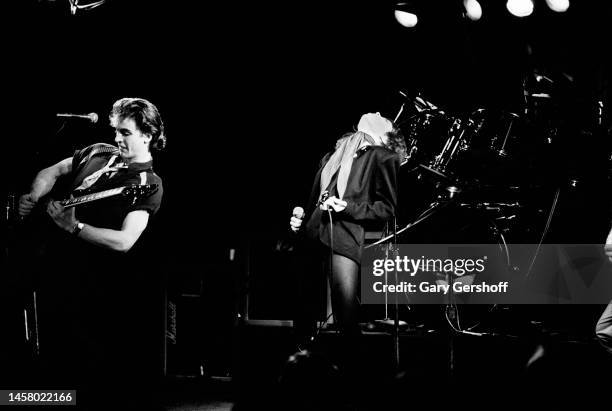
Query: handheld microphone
{"points": [[298, 212], [93, 117], [287, 244]]}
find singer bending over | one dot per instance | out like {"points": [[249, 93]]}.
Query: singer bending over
{"points": [[355, 188]]}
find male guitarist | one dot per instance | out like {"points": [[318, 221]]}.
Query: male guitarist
{"points": [[138, 129], [86, 330]]}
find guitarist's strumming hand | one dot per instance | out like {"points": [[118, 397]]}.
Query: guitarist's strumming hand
{"points": [[63, 217]]}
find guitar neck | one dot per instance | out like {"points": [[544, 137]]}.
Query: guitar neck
{"points": [[72, 202]]}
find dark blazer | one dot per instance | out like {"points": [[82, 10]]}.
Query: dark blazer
{"points": [[371, 194]]}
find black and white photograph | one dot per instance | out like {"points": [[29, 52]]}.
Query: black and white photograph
{"points": [[323, 205]]}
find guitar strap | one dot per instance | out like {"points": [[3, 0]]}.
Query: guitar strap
{"points": [[110, 167]]}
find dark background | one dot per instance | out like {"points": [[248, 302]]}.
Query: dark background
{"points": [[253, 94]]}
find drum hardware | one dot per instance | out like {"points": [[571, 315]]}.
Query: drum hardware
{"points": [[509, 217], [477, 125], [435, 172], [452, 191], [447, 195], [421, 104], [453, 143], [491, 206], [502, 151], [423, 132], [410, 153]]}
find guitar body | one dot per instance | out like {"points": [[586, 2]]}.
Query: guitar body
{"points": [[40, 230]]}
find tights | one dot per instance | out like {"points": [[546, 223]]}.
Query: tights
{"points": [[344, 281]]}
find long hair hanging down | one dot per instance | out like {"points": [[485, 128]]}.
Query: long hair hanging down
{"points": [[397, 143]]}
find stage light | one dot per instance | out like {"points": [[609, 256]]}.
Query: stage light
{"points": [[405, 14], [520, 8], [558, 5], [406, 19], [472, 9]]}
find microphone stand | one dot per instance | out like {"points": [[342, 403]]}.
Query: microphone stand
{"points": [[394, 322], [451, 315]]}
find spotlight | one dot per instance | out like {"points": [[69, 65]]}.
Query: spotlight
{"points": [[520, 8], [558, 5], [406, 19], [405, 15], [472, 9]]}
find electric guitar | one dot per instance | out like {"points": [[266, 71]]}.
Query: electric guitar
{"points": [[25, 243], [37, 229], [135, 191]]}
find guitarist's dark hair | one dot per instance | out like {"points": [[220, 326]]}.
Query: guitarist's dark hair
{"points": [[145, 115]]}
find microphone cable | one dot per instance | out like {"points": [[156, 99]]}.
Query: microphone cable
{"points": [[330, 274], [331, 259]]}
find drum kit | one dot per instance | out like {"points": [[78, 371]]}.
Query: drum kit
{"points": [[471, 178], [486, 176], [480, 167]]}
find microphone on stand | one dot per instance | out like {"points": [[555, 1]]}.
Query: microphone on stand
{"points": [[93, 117]]}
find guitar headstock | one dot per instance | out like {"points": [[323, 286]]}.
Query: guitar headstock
{"points": [[139, 190]]}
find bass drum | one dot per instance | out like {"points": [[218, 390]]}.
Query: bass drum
{"points": [[455, 223]]}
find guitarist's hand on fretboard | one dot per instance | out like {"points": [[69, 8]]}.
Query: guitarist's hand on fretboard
{"points": [[26, 204]]}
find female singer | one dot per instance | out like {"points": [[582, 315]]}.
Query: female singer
{"points": [[354, 189]]}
